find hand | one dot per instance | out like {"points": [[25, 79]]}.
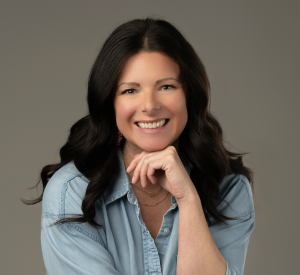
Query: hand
{"points": [[164, 167]]}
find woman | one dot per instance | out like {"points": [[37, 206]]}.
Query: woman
{"points": [[169, 198]]}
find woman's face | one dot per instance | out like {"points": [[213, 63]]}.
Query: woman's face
{"points": [[148, 91]]}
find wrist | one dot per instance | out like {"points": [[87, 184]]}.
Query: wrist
{"points": [[191, 198]]}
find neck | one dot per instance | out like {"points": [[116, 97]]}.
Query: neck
{"points": [[129, 152]]}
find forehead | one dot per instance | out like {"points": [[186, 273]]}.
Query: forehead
{"points": [[149, 65]]}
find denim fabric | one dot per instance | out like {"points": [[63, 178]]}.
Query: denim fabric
{"points": [[124, 245]]}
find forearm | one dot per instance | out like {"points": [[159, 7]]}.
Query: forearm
{"points": [[197, 252]]}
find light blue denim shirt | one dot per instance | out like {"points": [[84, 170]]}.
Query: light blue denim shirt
{"points": [[124, 245]]}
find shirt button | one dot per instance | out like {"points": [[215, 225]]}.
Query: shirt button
{"points": [[167, 230]]}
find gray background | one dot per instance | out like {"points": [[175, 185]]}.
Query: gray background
{"points": [[251, 52]]}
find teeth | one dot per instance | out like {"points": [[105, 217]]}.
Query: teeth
{"points": [[152, 125]]}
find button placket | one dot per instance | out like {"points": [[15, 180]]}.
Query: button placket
{"points": [[167, 230]]}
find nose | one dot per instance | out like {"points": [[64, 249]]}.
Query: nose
{"points": [[150, 103]]}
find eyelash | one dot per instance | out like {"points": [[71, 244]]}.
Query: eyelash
{"points": [[124, 92], [169, 86]]}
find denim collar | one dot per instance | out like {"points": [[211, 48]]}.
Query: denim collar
{"points": [[119, 183]]}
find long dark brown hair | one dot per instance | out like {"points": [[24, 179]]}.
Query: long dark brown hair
{"points": [[91, 143]]}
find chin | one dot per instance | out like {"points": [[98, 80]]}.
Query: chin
{"points": [[153, 147]]}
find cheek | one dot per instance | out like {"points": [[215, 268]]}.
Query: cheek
{"points": [[178, 106], [180, 112], [123, 110]]}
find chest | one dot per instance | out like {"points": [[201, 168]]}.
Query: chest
{"points": [[153, 217], [131, 246]]}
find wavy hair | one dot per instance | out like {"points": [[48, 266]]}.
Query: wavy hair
{"points": [[91, 142]]}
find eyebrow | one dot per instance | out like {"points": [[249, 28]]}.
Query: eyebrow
{"points": [[157, 82]]}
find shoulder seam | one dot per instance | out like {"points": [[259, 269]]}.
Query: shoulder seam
{"points": [[62, 212], [63, 193], [250, 207]]}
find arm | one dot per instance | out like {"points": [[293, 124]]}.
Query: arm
{"points": [[207, 249], [197, 251]]}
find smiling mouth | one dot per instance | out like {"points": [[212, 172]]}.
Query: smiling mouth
{"points": [[153, 125]]}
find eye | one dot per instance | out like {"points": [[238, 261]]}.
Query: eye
{"points": [[167, 87], [128, 91]]}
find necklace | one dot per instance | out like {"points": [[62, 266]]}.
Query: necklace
{"points": [[156, 203], [150, 193]]}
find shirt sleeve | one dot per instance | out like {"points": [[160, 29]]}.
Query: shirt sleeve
{"points": [[71, 249], [232, 239]]}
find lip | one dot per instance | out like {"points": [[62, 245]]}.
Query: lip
{"points": [[150, 121], [152, 131]]}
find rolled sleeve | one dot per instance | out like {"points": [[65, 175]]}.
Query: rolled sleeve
{"points": [[232, 239], [234, 248], [71, 249]]}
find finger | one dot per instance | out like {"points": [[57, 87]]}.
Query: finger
{"points": [[137, 158], [143, 174], [150, 174], [133, 163], [137, 170], [156, 164], [147, 170]]}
